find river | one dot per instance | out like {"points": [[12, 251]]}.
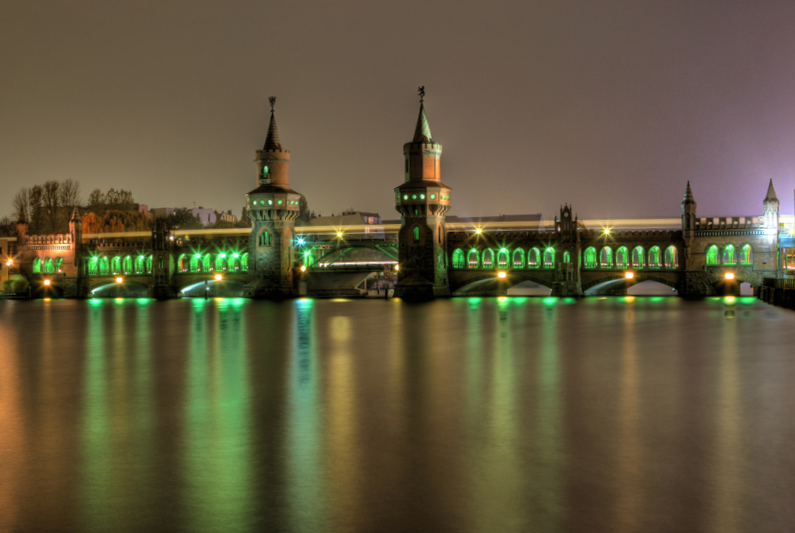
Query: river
{"points": [[469, 415]]}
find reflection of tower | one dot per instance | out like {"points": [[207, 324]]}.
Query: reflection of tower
{"points": [[163, 266], [422, 201], [273, 208]]}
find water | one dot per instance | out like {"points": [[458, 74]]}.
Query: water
{"points": [[466, 415]]}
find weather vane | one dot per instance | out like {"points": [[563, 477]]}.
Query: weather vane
{"points": [[272, 100], [421, 90]]}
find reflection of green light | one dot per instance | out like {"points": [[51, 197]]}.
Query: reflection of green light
{"points": [[119, 301], [237, 302], [730, 300], [550, 300], [747, 300], [656, 299], [569, 300], [94, 302], [143, 301]]}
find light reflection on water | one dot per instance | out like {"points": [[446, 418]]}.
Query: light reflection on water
{"points": [[472, 414]]}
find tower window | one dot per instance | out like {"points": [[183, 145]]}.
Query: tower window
{"points": [[265, 170], [264, 238], [416, 234]]}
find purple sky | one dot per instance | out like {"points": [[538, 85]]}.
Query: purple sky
{"points": [[611, 105]]}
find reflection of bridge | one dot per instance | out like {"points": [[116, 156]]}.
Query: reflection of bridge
{"points": [[275, 258]]}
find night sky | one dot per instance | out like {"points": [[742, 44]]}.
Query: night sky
{"points": [[610, 105]]}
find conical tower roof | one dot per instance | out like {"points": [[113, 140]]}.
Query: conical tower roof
{"points": [[771, 193], [688, 195], [272, 142], [422, 134], [76, 215]]}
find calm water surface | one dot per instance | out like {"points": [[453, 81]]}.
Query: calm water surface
{"points": [[466, 415]]}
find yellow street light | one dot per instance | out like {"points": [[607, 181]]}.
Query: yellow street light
{"points": [[502, 275], [629, 275], [218, 277], [47, 283], [397, 267], [729, 275], [303, 268], [119, 279]]}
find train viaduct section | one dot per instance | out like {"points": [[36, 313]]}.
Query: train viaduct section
{"points": [[275, 259]]}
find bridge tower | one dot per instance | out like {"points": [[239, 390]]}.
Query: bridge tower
{"points": [[81, 281], [163, 264], [567, 259], [273, 208], [422, 201], [689, 218]]}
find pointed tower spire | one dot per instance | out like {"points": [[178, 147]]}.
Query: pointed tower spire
{"points": [[422, 134], [76, 215], [272, 141], [771, 192], [688, 195]]}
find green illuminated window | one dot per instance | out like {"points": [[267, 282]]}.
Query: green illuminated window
{"points": [[671, 257], [712, 255], [502, 258], [413, 196], [207, 263], [115, 265], [458, 258], [433, 197], [416, 232], [244, 262], [93, 266], [405, 196], [533, 258], [729, 255], [422, 197], [473, 260], [606, 257], [58, 264], [265, 170], [140, 264], [270, 202], [549, 258], [127, 265], [104, 266], [220, 262], [265, 239], [36, 265], [637, 257], [48, 266], [566, 257], [488, 259], [518, 258], [279, 202], [747, 255], [655, 257], [622, 255], [149, 260], [589, 258]]}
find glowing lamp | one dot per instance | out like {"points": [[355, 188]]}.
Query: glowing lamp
{"points": [[339, 234], [119, 279], [729, 275], [218, 277], [46, 283], [502, 275], [10, 262], [397, 267], [478, 231], [303, 268], [222, 256], [301, 241], [629, 275], [606, 231], [235, 255]]}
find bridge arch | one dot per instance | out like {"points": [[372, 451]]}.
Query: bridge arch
{"points": [[619, 281], [485, 280]]}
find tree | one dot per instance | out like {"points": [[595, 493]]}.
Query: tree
{"points": [[304, 215], [21, 203], [50, 200], [35, 194], [183, 219], [8, 227], [70, 195]]}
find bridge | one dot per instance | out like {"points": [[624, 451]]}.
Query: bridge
{"points": [[427, 255]]}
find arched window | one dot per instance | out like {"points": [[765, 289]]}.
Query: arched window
{"points": [[220, 262], [115, 265], [472, 259], [747, 255], [549, 258], [148, 264], [183, 263], [566, 257], [196, 263], [36, 265], [654, 257], [104, 266], [140, 264], [93, 266], [637, 257], [265, 239], [488, 259], [533, 258], [207, 263], [518, 258], [58, 264], [458, 258], [244, 262], [48, 266], [712, 255], [234, 262], [589, 259], [128, 265], [622, 257], [606, 257], [502, 258], [729, 255], [416, 232], [671, 257]]}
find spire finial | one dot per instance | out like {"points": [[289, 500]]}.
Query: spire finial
{"points": [[272, 100], [421, 90]]}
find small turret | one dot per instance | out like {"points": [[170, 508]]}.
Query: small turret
{"points": [[771, 206], [689, 206], [22, 229], [273, 163]]}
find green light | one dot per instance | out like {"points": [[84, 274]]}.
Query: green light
{"points": [[198, 256], [280, 202], [405, 196], [265, 169], [222, 256], [270, 202], [95, 259], [549, 249], [422, 197], [433, 197], [236, 255], [413, 196], [504, 250]]}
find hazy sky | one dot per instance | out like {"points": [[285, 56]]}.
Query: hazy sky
{"points": [[608, 105]]}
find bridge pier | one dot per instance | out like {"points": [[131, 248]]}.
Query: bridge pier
{"points": [[567, 288]]}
